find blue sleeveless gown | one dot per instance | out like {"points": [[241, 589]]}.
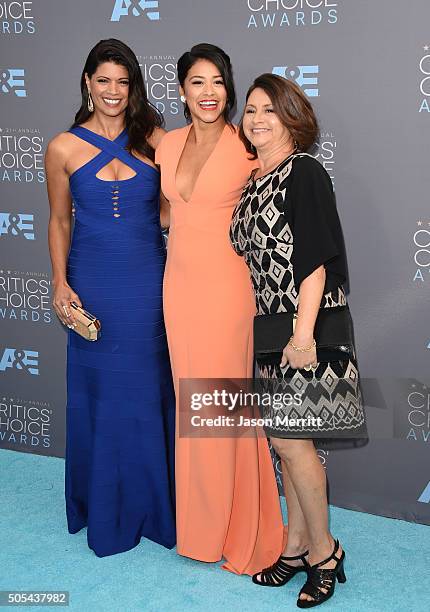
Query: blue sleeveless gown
{"points": [[120, 398]]}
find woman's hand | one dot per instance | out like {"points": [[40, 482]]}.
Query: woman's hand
{"points": [[298, 359], [63, 295]]}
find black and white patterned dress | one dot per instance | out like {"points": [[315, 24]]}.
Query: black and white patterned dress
{"points": [[286, 225]]}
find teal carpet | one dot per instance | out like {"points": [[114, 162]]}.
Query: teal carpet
{"points": [[387, 565]]}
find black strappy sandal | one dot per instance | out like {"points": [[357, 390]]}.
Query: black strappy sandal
{"points": [[322, 578], [280, 572]]}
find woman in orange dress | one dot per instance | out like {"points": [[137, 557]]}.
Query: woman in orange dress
{"points": [[227, 498]]}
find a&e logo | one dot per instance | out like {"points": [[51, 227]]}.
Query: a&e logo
{"points": [[135, 8], [17, 224], [306, 77], [12, 79], [20, 359]]}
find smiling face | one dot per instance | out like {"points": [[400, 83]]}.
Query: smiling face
{"points": [[109, 87], [262, 126], [204, 91]]}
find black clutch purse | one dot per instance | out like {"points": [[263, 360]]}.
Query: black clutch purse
{"points": [[333, 334]]}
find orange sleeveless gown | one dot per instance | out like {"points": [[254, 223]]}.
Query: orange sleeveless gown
{"points": [[226, 493]]}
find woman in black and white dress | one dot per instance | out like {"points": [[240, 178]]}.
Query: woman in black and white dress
{"points": [[287, 228]]}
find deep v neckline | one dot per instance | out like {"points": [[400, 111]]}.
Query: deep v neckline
{"points": [[203, 168]]}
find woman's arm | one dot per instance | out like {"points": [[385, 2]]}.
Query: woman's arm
{"points": [[164, 211], [318, 263], [156, 137], [59, 229], [310, 295]]}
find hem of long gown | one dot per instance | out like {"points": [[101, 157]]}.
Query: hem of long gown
{"points": [[195, 557], [249, 569], [166, 544], [227, 565]]}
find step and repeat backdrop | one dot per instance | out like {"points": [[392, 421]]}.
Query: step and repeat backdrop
{"points": [[366, 68]]}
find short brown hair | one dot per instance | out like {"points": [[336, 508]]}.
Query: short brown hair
{"points": [[292, 107]]}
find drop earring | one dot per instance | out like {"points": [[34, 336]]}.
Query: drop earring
{"points": [[183, 99], [90, 102]]}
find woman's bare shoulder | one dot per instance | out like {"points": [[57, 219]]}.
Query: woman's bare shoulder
{"points": [[61, 144]]}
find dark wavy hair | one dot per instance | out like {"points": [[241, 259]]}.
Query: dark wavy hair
{"points": [[141, 117], [221, 60], [292, 107]]}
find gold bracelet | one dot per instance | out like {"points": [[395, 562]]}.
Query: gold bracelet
{"points": [[301, 349]]}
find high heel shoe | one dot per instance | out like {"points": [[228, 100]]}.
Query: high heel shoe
{"points": [[280, 572], [322, 578]]}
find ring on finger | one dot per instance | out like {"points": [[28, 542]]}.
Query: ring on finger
{"points": [[308, 367], [66, 311]]}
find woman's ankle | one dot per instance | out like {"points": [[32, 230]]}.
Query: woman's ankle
{"points": [[297, 544], [322, 549]]}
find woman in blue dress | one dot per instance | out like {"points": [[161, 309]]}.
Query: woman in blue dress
{"points": [[120, 398]]}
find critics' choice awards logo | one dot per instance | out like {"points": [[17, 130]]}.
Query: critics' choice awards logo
{"points": [[25, 296], [17, 225], [306, 77], [421, 251], [326, 152], [159, 74], [16, 17], [25, 422], [135, 8], [418, 413], [21, 155], [290, 13], [424, 76], [12, 82], [24, 360]]}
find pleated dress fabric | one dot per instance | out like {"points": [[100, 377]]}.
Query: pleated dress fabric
{"points": [[227, 499], [120, 398]]}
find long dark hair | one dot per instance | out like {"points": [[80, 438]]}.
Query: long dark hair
{"points": [[221, 60], [141, 117], [291, 105]]}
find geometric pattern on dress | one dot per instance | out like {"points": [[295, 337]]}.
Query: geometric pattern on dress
{"points": [[333, 394], [261, 233]]}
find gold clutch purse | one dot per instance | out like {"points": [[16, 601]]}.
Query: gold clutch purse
{"points": [[87, 325]]}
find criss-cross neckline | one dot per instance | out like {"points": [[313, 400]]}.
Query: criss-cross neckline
{"points": [[82, 127], [104, 151]]}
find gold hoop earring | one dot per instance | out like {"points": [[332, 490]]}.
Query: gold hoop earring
{"points": [[90, 102]]}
